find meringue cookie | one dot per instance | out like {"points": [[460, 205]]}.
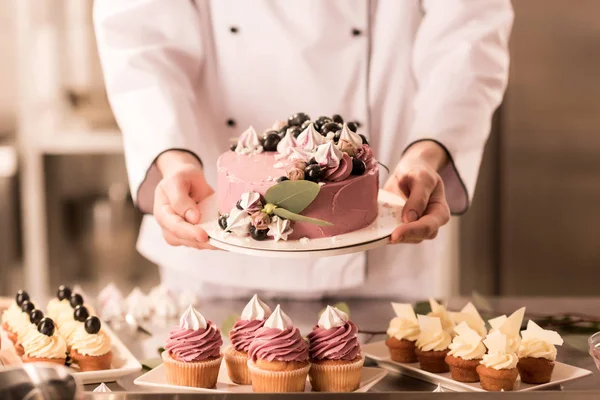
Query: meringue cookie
{"points": [[278, 320], [255, 310], [138, 304], [110, 292], [310, 139], [238, 222], [192, 319], [332, 318], [285, 146], [351, 137], [101, 388], [280, 228], [248, 142]]}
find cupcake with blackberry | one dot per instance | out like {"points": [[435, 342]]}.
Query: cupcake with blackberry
{"points": [[35, 316], [498, 368], [44, 344], [192, 355], [432, 345], [466, 352], [68, 328], [334, 351], [60, 303], [236, 356], [403, 333], [537, 354], [67, 314], [91, 347], [278, 356], [12, 315]]}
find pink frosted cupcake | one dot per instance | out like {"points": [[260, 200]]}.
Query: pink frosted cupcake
{"points": [[278, 356], [334, 350], [192, 355], [236, 356]]}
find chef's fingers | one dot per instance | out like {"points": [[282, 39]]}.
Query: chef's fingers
{"points": [[176, 225], [418, 185], [177, 189], [174, 241], [426, 228]]}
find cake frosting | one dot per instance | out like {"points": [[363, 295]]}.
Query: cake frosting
{"points": [[405, 324], [278, 340], [440, 311], [499, 355], [194, 339], [334, 337], [91, 344], [245, 328], [539, 343], [470, 315], [39, 345], [432, 337], [510, 327], [467, 344]]}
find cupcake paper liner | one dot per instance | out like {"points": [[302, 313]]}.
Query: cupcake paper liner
{"points": [[92, 363], [237, 366], [336, 377], [277, 381], [200, 374]]}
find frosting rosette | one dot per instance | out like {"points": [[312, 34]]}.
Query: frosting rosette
{"points": [[91, 344], [337, 165], [245, 328], [278, 340], [12, 312], [432, 337], [365, 154], [39, 345], [467, 345], [334, 337], [68, 329], [195, 339], [499, 355], [405, 324], [539, 343]]}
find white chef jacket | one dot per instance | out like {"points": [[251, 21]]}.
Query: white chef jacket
{"points": [[193, 74]]}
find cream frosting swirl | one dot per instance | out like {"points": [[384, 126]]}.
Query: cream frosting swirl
{"points": [[432, 336], [12, 312], [91, 344], [21, 324], [39, 345], [402, 328], [500, 360], [468, 344], [68, 329], [56, 307], [537, 348]]}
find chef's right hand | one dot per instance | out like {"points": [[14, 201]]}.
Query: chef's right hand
{"points": [[182, 188]]}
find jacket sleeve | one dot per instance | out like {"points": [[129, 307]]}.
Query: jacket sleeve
{"points": [[460, 63], [151, 55]]}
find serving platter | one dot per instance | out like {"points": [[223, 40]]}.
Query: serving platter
{"points": [[378, 352], [124, 363], [156, 378], [375, 235]]}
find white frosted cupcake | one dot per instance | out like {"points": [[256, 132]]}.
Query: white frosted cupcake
{"points": [[510, 327], [44, 344], [498, 368], [537, 354], [403, 333], [466, 352], [91, 347]]}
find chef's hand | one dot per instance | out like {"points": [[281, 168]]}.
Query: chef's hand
{"points": [[176, 199], [416, 178]]}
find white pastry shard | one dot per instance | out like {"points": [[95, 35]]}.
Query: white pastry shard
{"points": [[496, 343], [248, 142], [278, 320], [238, 222], [438, 310], [280, 229], [351, 137], [192, 319], [310, 139], [255, 310], [470, 315], [405, 311], [332, 318], [101, 388], [138, 304], [497, 322], [539, 343], [534, 331], [432, 337], [499, 355]]}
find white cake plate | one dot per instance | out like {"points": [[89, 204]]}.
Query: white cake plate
{"points": [[375, 235]]}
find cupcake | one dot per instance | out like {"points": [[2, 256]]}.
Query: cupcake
{"points": [[20, 324], [470, 315], [439, 311], [498, 368], [91, 347], [69, 327], [334, 352], [537, 354], [192, 355], [45, 344], [60, 303], [466, 352], [432, 345], [12, 314], [23, 331], [510, 327], [278, 356], [244, 330], [403, 333]]}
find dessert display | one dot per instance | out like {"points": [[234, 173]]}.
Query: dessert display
{"points": [[91, 347], [334, 351], [471, 316], [241, 335], [432, 344], [59, 304], [510, 327], [35, 317], [278, 356], [466, 353], [44, 344], [192, 355], [13, 314], [403, 333], [22, 323], [537, 354], [68, 328], [299, 179], [498, 368]]}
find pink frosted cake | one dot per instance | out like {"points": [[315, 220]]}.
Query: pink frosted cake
{"points": [[300, 179]]}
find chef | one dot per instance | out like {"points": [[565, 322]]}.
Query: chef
{"points": [[422, 78]]}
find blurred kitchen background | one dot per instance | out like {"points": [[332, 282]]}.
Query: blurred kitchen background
{"points": [[66, 214]]}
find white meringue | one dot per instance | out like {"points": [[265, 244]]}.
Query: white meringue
{"points": [[238, 222], [192, 319], [280, 228], [255, 310], [309, 139], [278, 320]]}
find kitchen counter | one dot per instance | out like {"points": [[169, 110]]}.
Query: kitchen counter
{"points": [[369, 315]]}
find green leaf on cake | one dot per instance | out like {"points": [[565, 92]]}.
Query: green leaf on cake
{"points": [[228, 324], [294, 196], [283, 213]]}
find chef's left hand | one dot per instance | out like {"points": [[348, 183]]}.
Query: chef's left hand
{"points": [[416, 179]]}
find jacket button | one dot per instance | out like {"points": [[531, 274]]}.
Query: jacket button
{"points": [[234, 29], [231, 122], [356, 32]]}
